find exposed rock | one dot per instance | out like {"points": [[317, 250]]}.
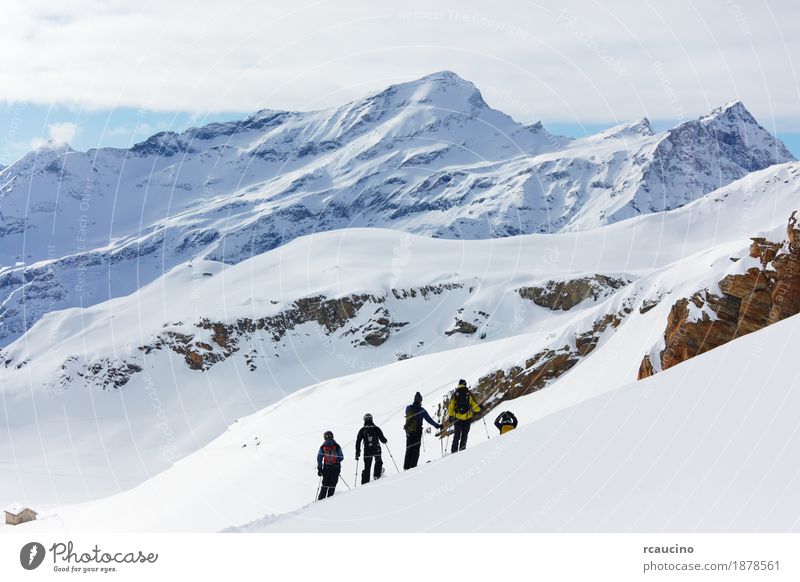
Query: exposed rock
{"points": [[750, 301], [646, 368], [425, 291], [462, 326], [332, 315], [648, 304], [103, 373], [565, 295], [377, 332]]}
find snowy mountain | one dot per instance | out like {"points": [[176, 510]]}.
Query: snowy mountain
{"points": [[311, 335], [427, 157]]}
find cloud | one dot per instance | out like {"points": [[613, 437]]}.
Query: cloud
{"points": [[57, 134], [62, 132], [583, 61]]}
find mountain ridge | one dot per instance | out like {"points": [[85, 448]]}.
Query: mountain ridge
{"points": [[428, 157]]}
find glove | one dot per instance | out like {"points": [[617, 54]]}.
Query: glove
{"points": [[451, 419], [319, 472], [358, 457]]}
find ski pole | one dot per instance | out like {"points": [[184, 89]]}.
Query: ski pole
{"points": [[486, 427], [392, 457], [441, 444], [318, 487], [355, 479], [345, 482]]}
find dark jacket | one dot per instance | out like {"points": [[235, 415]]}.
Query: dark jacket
{"points": [[415, 414], [337, 452], [372, 437], [505, 421]]}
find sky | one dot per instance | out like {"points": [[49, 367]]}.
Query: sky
{"points": [[112, 73]]}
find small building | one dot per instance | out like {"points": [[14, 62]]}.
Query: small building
{"points": [[17, 514]]}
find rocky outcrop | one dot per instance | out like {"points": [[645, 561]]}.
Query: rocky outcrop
{"points": [[103, 373], [469, 323], [748, 302], [425, 291], [207, 342], [225, 338], [461, 326], [564, 295]]}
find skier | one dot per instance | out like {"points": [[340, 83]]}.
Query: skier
{"points": [[505, 421], [460, 411], [329, 465], [372, 437], [415, 414]]}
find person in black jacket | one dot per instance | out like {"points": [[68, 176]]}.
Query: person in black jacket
{"points": [[372, 437], [415, 414], [329, 465], [505, 422]]}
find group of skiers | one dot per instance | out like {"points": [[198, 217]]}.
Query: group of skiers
{"points": [[461, 410]]}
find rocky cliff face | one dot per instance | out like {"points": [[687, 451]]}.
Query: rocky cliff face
{"points": [[747, 302], [564, 295], [361, 319], [331, 315]]}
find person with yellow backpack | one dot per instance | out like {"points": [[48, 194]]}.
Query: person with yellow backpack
{"points": [[460, 411], [505, 422]]}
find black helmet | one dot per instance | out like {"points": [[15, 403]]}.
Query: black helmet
{"points": [[368, 418], [328, 435], [462, 383], [417, 398]]}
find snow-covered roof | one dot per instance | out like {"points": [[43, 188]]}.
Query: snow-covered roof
{"points": [[16, 508]]}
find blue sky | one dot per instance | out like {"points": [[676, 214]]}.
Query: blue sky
{"points": [[111, 73]]}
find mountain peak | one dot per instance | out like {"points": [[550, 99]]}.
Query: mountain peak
{"points": [[442, 89], [51, 145], [732, 111], [640, 127]]}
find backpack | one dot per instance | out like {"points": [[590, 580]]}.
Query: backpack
{"points": [[329, 456], [412, 421], [369, 438], [462, 401]]}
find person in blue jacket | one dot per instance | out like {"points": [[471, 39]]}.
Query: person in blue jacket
{"points": [[329, 465], [415, 414]]}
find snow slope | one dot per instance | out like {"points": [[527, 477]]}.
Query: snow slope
{"points": [[707, 446], [263, 464], [428, 157]]}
